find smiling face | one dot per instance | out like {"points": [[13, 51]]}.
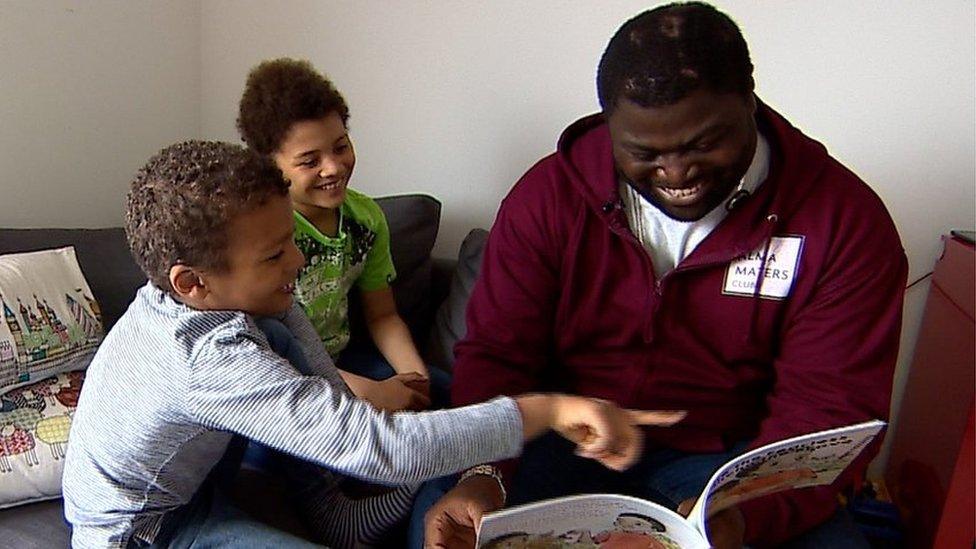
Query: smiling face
{"points": [[685, 158], [317, 157], [262, 263]]}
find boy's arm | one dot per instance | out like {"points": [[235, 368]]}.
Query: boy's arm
{"points": [[390, 395], [399, 393], [240, 385], [318, 359], [390, 333]]}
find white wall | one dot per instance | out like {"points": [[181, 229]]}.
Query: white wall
{"points": [[458, 99], [88, 90]]}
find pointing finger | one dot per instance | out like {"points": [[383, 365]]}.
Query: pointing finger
{"points": [[656, 417]]}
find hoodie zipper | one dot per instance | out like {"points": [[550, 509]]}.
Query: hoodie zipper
{"points": [[653, 302], [769, 228]]}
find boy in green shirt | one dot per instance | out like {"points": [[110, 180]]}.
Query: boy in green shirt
{"points": [[292, 114]]}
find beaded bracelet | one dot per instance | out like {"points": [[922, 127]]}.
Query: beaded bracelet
{"points": [[488, 471]]}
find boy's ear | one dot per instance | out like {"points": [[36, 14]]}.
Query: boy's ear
{"points": [[186, 282]]}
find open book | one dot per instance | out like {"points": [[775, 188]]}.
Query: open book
{"points": [[607, 520]]}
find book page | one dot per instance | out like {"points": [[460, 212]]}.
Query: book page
{"points": [[588, 521], [808, 460]]}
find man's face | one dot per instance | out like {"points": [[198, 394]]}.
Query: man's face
{"points": [[262, 262], [687, 157], [317, 157]]}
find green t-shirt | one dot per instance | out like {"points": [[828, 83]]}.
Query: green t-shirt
{"points": [[358, 255]]}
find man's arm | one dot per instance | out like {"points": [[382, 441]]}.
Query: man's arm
{"points": [[238, 384], [834, 367]]}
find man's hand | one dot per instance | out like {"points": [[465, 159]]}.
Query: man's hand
{"points": [[726, 529], [409, 391], [452, 521]]}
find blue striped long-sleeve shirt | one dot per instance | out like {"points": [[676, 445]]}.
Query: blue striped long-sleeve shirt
{"points": [[170, 385]]}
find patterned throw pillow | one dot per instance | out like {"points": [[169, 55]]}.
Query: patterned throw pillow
{"points": [[49, 321], [34, 424]]}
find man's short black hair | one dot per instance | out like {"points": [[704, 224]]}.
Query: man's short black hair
{"points": [[662, 55]]}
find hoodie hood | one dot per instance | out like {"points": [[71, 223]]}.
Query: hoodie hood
{"points": [[585, 154]]}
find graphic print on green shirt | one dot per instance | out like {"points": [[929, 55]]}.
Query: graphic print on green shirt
{"points": [[359, 255]]}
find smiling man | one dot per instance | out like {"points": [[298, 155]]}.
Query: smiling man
{"points": [[685, 248]]}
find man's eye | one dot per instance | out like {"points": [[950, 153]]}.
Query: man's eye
{"points": [[704, 146], [307, 163], [276, 256]]}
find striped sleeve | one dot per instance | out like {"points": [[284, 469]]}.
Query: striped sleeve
{"points": [[240, 385], [318, 359]]}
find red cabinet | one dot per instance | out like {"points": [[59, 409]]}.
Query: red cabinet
{"points": [[930, 471]]}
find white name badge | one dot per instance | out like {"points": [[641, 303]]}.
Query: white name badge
{"points": [[775, 277]]}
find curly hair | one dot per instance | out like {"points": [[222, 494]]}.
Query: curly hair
{"points": [[662, 55], [180, 204], [279, 93]]}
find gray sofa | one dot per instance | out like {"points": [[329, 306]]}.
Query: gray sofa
{"points": [[422, 291]]}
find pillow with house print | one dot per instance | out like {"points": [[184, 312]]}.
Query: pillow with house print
{"points": [[49, 320], [35, 421]]}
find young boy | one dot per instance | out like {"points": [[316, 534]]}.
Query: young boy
{"points": [[186, 369], [295, 116]]}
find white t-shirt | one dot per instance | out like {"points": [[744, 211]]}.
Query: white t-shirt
{"points": [[669, 241]]}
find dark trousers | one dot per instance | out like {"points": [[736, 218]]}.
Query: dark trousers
{"points": [[549, 468]]}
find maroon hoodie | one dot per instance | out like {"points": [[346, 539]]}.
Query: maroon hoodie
{"points": [[567, 300]]}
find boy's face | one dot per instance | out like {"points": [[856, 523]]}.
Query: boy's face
{"points": [[262, 262], [317, 157]]}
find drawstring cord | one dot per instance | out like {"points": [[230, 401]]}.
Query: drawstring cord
{"points": [[752, 336]]}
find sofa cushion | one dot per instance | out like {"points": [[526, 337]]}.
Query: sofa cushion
{"points": [[34, 425], [103, 255], [114, 277], [51, 323], [414, 220], [449, 323], [38, 525]]}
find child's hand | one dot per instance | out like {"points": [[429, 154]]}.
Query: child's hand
{"points": [[601, 430], [401, 392], [605, 432], [418, 382]]}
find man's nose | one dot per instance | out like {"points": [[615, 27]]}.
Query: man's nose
{"points": [[673, 171]]}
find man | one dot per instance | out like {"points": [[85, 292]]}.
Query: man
{"points": [[686, 248]]}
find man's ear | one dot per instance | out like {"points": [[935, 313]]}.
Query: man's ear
{"points": [[187, 282], [752, 95]]}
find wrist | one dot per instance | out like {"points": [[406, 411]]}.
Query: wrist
{"points": [[411, 369], [486, 480], [538, 412]]}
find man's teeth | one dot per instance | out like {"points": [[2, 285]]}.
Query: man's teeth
{"points": [[330, 186], [681, 193]]}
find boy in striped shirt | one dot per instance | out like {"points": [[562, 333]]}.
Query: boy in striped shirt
{"points": [[187, 369]]}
